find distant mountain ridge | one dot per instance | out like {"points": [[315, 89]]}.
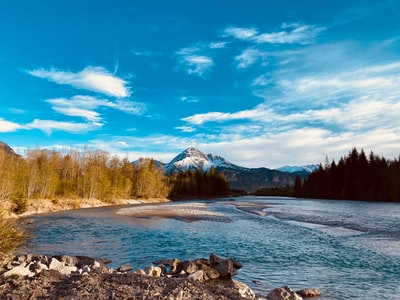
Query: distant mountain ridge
{"points": [[248, 179], [294, 169]]}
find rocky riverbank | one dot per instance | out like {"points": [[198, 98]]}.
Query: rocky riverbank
{"points": [[78, 277]]}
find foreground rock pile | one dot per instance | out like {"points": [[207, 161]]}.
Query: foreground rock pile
{"points": [[80, 277]]}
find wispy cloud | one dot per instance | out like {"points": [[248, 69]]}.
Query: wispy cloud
{"points": [[189, 99], [250, 56], [185, 128], [194, 63], [7, 126], [85, 107], [217, 45], [241, 33], [293, 33], [95, 79], [49, 126]]}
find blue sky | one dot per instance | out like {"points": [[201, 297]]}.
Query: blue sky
{"points": [[262, 83]]}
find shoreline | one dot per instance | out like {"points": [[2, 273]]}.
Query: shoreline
{"points": [[45, 206]]}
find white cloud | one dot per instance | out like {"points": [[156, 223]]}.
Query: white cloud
{"points": [[189, 99], [186, 128], [241, 33], [294, 33], [7, 126], [48, 126], [198, 64], [248, 57], [95, 79], [85, 107], [297, 34], [217, 45], [193, 61]]}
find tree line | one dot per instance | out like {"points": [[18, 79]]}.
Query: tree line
{"points": [[94, 174], [354, 177], [199, 184]]}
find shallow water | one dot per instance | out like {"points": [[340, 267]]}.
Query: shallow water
{"points": [[347, 249]]}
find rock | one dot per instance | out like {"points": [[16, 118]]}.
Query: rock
{"points": [[139, 272], [223, 266], [210, 272], [73, 282], [199, 275], [124, 268], [283, 293], [37, 267], [59, 266], [96, 265], [243, 289], [188, 266], [84, 261], [174, 266], [67, 260], [153, 271], [21, 270], [44, 259], [309, 293]]}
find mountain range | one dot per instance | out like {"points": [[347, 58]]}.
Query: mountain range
{"points": [[242, 178]]}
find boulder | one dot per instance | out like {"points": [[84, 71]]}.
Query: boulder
{"points": [[153, 271], [124, 268], [210, 272], [188, 266], [21, 270], [67, 260], [37, 267], [199, 275], [59, 266], [283, 293], [243, 289], [223, 266], [309, 293]]}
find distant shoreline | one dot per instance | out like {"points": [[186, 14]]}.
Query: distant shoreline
{"points": [[43, 206]]}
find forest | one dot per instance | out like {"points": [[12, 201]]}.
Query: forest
{"points": [[198, 184], [354, 177], [94, 174]]}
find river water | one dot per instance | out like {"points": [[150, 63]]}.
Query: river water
{"points": [[347, 249]]}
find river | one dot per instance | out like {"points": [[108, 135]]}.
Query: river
{"points": [[347, 249]]}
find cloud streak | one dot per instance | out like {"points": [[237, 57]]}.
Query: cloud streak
{"points": [[293, 33], [193, 61], [7, 126], [95, 79]]}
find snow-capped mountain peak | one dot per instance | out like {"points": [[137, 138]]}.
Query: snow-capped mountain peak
{"points": [[194, 159]]}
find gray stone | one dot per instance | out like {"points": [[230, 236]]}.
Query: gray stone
{"points": [[124, 268], [309, 293], [67, 260], [283, 293]]}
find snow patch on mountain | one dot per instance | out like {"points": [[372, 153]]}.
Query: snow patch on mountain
{"points": [[193, 159], [294, 169]]}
